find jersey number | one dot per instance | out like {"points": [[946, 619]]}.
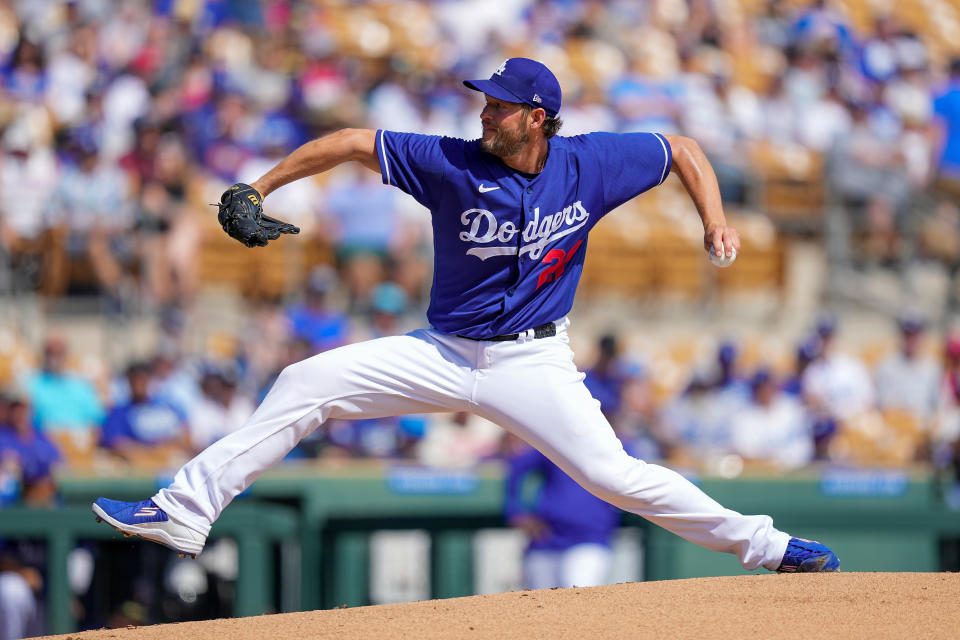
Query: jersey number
{"points": [[556, 260]]}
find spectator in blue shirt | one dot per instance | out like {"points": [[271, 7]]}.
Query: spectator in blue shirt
{"points": [[313, 320], [570, 529], [24, 77], [144, 428], [27, 457], [725, 376], [608, 376], [946, 105]]}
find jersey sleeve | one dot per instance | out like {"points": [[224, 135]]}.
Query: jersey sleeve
{"points": [[628, 164], [415, 163]]}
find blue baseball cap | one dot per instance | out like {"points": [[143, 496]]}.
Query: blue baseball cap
{"points": [[522, 80], [826, 324], [912, 322], [809, 349], [761, 377]]}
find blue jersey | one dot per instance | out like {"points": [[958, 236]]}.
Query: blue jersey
{"points": [[508, 246]]}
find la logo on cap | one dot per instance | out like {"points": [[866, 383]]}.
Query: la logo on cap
{"points": [[521, 80]]}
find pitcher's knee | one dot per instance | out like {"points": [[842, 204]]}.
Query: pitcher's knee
{"points": [[310, 371], [292, 373]]}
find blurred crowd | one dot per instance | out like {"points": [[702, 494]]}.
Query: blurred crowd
{"points": [[121, 121], [723, 412]]}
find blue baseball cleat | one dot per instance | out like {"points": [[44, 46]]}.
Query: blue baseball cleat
{"points": [[808, 556], [146, 520]]}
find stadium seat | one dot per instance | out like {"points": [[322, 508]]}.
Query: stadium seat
{"points": [[262, 273], [790, 186]]}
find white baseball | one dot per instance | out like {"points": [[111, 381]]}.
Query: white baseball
{"points": [[721, 261]]}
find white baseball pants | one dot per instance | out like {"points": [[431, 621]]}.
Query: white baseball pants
{"points": [[529, 386]]}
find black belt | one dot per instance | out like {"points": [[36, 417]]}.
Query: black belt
{"points": [[543, 331]]}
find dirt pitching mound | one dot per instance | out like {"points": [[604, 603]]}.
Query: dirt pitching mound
{"points": [[842, 605]]}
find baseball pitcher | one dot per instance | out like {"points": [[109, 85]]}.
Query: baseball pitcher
{"points": [[511, 214]]}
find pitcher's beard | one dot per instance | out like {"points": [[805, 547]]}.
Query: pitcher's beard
{"points": [[505, 142]]}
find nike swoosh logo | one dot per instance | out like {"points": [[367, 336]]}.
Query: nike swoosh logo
{"points": [[484, 189]]}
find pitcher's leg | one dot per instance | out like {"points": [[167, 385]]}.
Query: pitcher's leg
{"points": [[542, 399], [390, 376]]}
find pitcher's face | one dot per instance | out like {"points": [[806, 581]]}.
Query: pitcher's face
{"points": [[506, 127]]}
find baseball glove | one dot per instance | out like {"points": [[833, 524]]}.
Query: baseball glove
{"points": [[241, 216]]}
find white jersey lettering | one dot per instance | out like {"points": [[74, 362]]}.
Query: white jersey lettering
{"points": [[537, 234], [479, 217]]}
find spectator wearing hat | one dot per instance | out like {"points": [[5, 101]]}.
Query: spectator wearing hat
{"points": [[27, 456], [836, 386], [806, 353], [221, 409], [28, 173], [774, 428], [908, 379], [145, 431], [90, 209], [725, 376]]}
